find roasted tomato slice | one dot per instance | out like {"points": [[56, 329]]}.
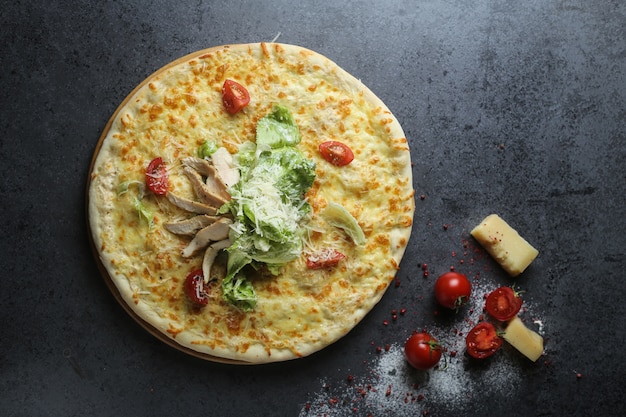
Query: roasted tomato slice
{"points": [[156, 176], [482, 341], [336, 153], [235, 96], [324, 259], [503, 303], [195, 289]]}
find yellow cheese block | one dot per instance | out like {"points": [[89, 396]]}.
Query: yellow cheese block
{"points": [[506, 246], [529, 343]]}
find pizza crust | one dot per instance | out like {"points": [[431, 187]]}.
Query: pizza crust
{"points": [[173, 111]]}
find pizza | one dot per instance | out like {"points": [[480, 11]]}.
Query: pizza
{"points": [[250, 203]]}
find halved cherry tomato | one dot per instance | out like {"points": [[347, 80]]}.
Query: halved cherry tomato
{"points": [[503, 303], [482, 341], [235, 96], [452, 290], [156, 176], [324, 259], [337, 153], [195, 289], [422, 351]]}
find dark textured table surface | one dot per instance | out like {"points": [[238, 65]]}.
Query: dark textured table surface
{"points": [[512, 107]]}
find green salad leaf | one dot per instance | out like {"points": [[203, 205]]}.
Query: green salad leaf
{"points": [[143, 212], [338, 216], [277, 129], [207, 149]]}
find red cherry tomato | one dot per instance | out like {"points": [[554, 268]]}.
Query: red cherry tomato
{"points": [[452, 290], [324, 259], [422, 351], [503, 303], [156, 176], [234, 96], [482, 341], [337, 153], [194, 288]]}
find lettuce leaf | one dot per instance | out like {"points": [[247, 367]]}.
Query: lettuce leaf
{"points": [[277, 129], [207, 149]]}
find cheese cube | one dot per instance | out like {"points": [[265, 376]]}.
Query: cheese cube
{"points": [[529, 343], [504, 244]]}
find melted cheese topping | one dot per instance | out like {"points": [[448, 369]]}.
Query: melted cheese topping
{"points": [[170, 115]]}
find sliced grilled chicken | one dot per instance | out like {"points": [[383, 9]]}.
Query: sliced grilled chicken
{"points": [[189, 227], [202, 191], [201, 165], [212, 233], [223, 162], [190, 205], [205, 168], [209, 257]]}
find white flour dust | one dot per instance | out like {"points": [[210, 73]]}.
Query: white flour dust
{"points": [[393, 388]]}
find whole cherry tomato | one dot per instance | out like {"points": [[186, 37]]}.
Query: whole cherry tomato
{"points": [[324, 259], [482, 341], [195, 289], [234, 96], [422, 351], [337, 153], [452, 290], [156, 176], [503, 303]]}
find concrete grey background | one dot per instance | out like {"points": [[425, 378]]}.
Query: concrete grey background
{"points": [[512, 107]]}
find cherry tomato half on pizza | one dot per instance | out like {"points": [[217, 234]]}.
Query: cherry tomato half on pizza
{"points": [[195, 289], [324, 259], [422, 351], [483, 340], [452, 290], [337, 153], [234, 96], [503, 303], [156, 176]]}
